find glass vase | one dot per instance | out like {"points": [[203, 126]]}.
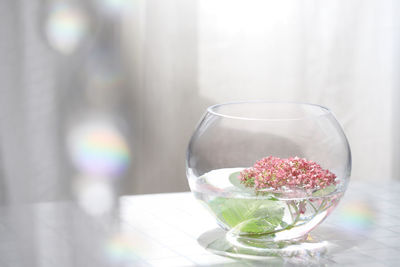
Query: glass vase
{"points": [[269, 172]]}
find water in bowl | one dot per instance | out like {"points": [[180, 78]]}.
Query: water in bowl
{"points": [[256, 217]]}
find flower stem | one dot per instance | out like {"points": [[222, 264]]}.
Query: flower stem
{"points": [[294, 220], [309, 202], [290, 210], [321, 207]]}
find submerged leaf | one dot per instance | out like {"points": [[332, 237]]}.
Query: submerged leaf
{"points": [[256, 226], [256, 215], [325, 191]]}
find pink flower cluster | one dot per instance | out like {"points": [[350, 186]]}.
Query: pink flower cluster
{"points": [[273, 172]]}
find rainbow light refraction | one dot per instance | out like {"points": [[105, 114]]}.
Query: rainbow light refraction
{"points": [[121, 248], [357, 217], [66, 25], [99, 149]]}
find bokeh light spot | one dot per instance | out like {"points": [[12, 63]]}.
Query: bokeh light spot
{"points": [[65, 27], [94, 196], [120, 248], [113, 6], [357, 217], [98, 148]]}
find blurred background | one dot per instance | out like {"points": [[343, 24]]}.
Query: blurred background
{"points": [[107, 92], [98, 99]]}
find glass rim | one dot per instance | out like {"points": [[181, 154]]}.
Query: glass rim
{"points": [[212, 109]]}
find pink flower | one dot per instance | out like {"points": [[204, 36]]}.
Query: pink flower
{"points": [[273, 172]]}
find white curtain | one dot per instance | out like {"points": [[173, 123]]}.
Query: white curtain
{"points": [[185, 55], [340, 54], [335, 53]]}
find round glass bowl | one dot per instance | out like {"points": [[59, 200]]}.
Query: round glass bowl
{"points": [[268, 171]]}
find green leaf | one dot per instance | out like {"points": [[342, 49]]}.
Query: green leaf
{"points": [[284, 224], [325, 191], [250, 215], [271, 197], [256, 226], [234, 179]]}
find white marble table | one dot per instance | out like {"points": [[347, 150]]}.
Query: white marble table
{"points": [[365, 226], [162, 230]]}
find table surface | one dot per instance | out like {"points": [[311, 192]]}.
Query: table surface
{"points": [[162, 230]]}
